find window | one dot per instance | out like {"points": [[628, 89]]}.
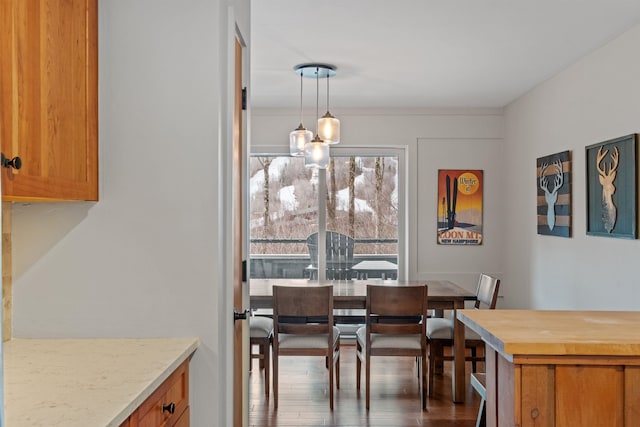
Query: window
{"points": [[359, 196]]}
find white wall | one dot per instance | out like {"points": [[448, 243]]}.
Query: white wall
{"points": [[143, 261], [434, 139], [596, 99]]}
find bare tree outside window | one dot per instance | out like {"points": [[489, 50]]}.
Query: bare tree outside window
{"points": [[331, 195], [265, 162], [352, 196], [379, 179]]}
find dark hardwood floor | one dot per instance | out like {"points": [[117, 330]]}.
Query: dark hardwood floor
{"points": [[395, 396]]}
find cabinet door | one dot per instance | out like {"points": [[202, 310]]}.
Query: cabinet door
{"points": [[49, 107], [183, 421]]}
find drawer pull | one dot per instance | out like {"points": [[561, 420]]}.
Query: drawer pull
{"points": [[170, 408]]}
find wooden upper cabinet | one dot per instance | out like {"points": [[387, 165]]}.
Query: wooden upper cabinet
{"points": [[49, 106]]}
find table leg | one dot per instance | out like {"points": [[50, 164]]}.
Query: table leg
{"points": [[458, 372]]}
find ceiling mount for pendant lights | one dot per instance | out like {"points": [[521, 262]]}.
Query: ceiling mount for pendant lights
{"points": [[316, 151]]}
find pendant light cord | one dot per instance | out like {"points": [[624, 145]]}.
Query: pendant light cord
{"points": [[317, 96], [327, 92], [300, 97]]}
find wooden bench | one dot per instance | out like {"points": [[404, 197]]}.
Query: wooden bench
{"points": [[479, 384]]}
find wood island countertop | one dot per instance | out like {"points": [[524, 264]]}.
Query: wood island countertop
{"points": [[536, 332], [85, 382]]}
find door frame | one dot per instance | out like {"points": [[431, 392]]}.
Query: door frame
{"points": [[229, 254]]}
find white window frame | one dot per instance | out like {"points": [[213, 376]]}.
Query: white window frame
{"points": [[365, 151]]}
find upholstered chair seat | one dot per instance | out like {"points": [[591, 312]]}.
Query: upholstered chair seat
{"points": [[261, 335]]}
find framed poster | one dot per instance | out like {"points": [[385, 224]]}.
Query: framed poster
{"points": [[612, 188], [460, 207], [553, 177]]}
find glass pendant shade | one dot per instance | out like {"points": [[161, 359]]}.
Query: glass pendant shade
{"points": [[298, 138], [316, 154], [329, 129]]}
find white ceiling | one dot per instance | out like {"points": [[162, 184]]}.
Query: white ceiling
{"points": [[423, 53]]}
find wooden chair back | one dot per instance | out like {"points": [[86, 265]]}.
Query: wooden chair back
{"points": [[397, 310], [487, 291], [302, 310]]}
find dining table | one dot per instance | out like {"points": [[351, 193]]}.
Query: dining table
{"points": [[352, 294]]}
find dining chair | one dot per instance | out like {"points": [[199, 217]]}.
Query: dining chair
{"points": [[261, 335], [339, 255], [440, 330], [479, 384], [396, 319], [303, 326]]}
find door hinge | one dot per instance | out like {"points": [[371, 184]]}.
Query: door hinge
{"points": [[244, 98]]}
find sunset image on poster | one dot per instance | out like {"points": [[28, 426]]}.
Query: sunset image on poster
{"points": [[460, 207]]}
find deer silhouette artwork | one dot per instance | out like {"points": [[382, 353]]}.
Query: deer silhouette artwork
{"points": [[551, 197], [609, 211]]}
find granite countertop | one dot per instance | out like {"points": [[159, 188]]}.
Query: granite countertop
{"points": [[557, 332], [85, 382]]}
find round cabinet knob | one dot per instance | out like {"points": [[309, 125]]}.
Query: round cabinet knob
{"points": [[169, 407], [15, 163]]}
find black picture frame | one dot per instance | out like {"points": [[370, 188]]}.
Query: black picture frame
{"points": [[616, 166]]}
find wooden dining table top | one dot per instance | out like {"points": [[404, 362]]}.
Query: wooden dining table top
{"points": [[353, 293]]}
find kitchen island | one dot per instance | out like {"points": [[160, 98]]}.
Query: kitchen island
{"points": [[92, 382], [560, 368]]}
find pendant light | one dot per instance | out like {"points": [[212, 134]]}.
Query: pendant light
{"points": [[328, 125], [316, 152], [300, 136]]}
